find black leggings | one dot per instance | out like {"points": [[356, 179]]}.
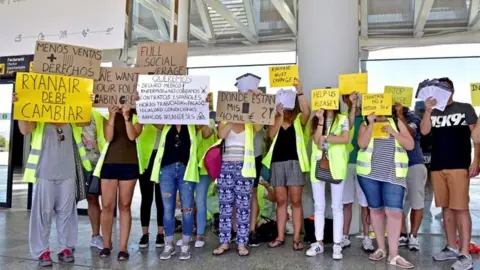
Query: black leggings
{"points": [[147, 189]]}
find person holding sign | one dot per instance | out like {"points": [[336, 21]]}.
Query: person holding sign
{"points": [[329, 159], [176, 170], [288, 160], [236, 182], [382, 166], [118, 169], [52, 168]]}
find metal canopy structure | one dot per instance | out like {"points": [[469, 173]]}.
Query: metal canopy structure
{"points": [[219, 24]]}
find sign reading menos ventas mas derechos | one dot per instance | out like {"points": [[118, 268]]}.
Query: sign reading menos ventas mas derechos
{"points": [[53, 98], [170, 99]]}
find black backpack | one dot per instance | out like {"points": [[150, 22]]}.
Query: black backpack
{"points": [[267, 232]]}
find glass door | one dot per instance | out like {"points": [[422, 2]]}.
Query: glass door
{"points": [[6, 124]]}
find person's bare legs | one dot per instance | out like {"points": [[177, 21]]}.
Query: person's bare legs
{"points": [[295, 194], [109, 195], [94, 212], [347, 218], [416, 216], [450, 226], [394, 226], [254, 209], [282, 200], [365, 221], [377, 218], [126, 188], [464, 222]]}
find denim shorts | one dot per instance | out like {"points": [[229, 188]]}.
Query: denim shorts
{"points": [[120, 172], [382, 195]]}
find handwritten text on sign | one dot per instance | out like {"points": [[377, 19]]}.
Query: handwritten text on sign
{"points": [[57, 58], [356, 82], [379, 104], [401, 95], [236, 107], [475, 88], [167, 58], [168, 99], [325, 99], [117, 86], [52, 98], [282, 76]]}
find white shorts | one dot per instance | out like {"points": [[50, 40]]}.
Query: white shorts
{"points": [[351, 183]]}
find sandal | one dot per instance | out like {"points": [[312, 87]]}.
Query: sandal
{"points": [[105, 253], [222, 251], [298, 246], [405, 264], [378, 255], [275, 245], [123, 256], [242, 251]]}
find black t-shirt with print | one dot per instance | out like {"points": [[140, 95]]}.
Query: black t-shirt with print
{"points": [[451, 145]]}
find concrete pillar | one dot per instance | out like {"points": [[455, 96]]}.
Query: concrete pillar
{"points": [[328, 45]]}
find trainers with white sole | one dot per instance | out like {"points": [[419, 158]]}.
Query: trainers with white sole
{"points": [[367, 244], [97, 242], [315, 249], [199, 243], [446, 254], [185, 253], [345, 242], [337, 252], [413, 243]]}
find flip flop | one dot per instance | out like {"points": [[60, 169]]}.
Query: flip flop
{"points": [[393, 262], [380, 252], [105, 253], [297, 243], [224, 250], [272, 244], [243, 255], [123, 256]]}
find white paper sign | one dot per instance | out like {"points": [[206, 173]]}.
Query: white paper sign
{"points": [[173, 100], [286, 98], [440, 95], [87, 23]]}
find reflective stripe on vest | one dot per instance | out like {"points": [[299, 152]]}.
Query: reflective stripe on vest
{"points": [[248, 170], [364, 158], [337, 154], [29, 175], [191, 172], [301, 148]]}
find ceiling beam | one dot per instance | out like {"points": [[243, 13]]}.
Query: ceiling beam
{"points": [[228, 15], [206, 20], [364, 18], [286, 14], [474, 15], [422, 10], [150, 34], [164, 12], [159, 21], [252, 23]]}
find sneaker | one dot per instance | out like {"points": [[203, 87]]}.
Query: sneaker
{"points": [[446, 254], [168, 252], [144, 241], [185, 253], [403, 241], [337, 252], [96, 242], [315, 249], [45, 260], [66, 256], [199, 243], [345, 242], [413, 243], [160, 242], [367, 244], [253, 240], [463, 262]]}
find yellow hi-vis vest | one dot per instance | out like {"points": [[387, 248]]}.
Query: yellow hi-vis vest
{"points": [[337, 154], [248, 169], [37, 143], [191, 172], [364, 158], [145, 144], [301, 148], [98, 117]]}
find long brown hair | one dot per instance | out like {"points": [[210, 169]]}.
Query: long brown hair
{"points": [[315, 122]]}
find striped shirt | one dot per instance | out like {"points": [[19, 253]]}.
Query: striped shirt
{"points": [[234, 146], [383, 162]]}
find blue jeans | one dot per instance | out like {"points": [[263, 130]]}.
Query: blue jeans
{"points": [[171, 180], [382, 195], [201, 201]]}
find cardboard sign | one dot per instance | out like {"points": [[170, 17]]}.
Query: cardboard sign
{"points": [[57, 58], [379, 104], [400, 94], [378, 133], [169, 99], [235, 107], [282, 76], [117, 86], [327, 99], [357, 82], [167, 58], [52, 98], [475, 88]]}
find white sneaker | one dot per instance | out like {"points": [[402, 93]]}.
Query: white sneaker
{"points": [[403, 241], [367, 244], [315, 249], [413, 243], [97, 242], [199, 244], [179, 243], [345, 242], [337, 252]]}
